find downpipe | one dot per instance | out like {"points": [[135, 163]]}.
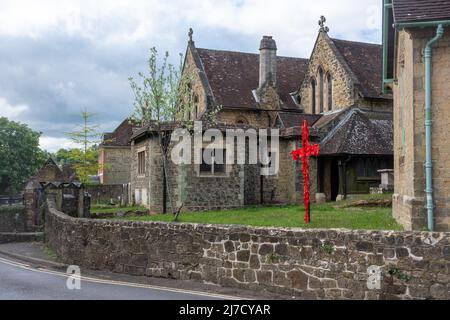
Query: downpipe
{"points": [[428, 54]]}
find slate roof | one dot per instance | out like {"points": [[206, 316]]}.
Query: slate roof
{"points": [[121, 136], [234, 75], [366, 62], [360, 133], [421, 10], [291, 119]]}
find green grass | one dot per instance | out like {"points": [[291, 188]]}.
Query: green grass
{"points": [[113, 209], [329, 215], [49, 252]]}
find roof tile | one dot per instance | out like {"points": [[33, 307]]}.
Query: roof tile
{"points": [[234, 75], [421, 10], [366, 61]]}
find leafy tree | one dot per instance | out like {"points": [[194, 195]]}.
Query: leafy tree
{"points": [[65, 156], [20, 155], [165, 96], [84, 159]]}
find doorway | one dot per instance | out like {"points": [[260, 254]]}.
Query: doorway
{"points": [[334, 179]]}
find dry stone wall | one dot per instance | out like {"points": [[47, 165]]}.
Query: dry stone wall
{"points": [[310, 264]]}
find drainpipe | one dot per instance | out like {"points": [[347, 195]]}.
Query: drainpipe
{"points": [[428, 143]]}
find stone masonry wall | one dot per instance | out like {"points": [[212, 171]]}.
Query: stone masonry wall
{"points": [[344, 90], [409, 138], [13, 219], [343, 87], [140, 182], [254, 118], [115, 162], [310, 264]]}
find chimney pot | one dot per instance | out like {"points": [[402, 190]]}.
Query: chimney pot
{"points": [[267, 61]]}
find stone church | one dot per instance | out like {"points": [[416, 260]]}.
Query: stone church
{"points": [[338, 90]]}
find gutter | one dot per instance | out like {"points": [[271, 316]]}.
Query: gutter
{"points": [[428, 123], [387, 5], [422, 24]]}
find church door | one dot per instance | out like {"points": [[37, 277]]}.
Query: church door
{"points": [[334, 179]]}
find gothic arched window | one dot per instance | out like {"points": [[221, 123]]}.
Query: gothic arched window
{"points": [[330, 92], [313, 96], [321, 90], [195, 107]]}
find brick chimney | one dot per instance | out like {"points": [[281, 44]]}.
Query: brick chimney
{"points": [[268, 62]]}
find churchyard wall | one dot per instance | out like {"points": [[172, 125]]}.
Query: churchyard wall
{"points": [[308, 264], [13, 218]]}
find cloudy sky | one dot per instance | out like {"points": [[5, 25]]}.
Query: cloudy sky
{"points": [[58, 57]]}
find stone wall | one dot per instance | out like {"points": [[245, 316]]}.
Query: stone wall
{"points": [[240, 185], [114, 164], [21, 237], [254, 118], [409, 136], [310, 264], [140, 183], [13, 219]]}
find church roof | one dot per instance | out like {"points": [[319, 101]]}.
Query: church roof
{"points": [[360, 133], [421, 10], [291, 119], [366, 62], [234, 75], [121, 136]]}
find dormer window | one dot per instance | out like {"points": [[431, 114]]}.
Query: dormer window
{"points": [[296, 98]]}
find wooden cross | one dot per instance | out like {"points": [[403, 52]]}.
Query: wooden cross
{"points": [[304, 153]]}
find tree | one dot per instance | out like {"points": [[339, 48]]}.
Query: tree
{"points": [[65, 156], [84, 159], [20, 155], [165, 96]]}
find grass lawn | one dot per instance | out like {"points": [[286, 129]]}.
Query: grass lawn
{"points": [[329, 215], [101, 208]]}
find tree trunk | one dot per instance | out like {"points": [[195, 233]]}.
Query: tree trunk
{"points": [[164, 141]]}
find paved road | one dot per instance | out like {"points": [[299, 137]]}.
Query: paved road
{"points": [[19, 281]]}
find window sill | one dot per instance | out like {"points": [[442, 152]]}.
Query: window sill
{"points": [[215, 175]]}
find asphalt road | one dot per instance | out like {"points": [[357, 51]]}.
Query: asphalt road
{"points": [[19, 281]]}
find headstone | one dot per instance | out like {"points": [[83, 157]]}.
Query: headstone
{"points": [[321, 198], [387, 180]]}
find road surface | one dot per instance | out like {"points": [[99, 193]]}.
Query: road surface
{"points": [[19, 281]]}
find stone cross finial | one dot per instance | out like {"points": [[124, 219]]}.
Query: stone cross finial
{"points": [[323, 27], [190, 34]]}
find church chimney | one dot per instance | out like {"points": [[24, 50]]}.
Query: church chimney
{"points": [[267, 62]]}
